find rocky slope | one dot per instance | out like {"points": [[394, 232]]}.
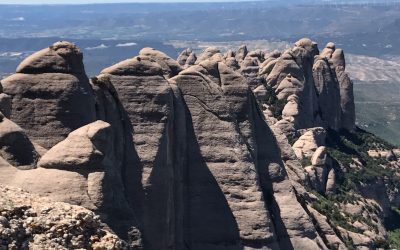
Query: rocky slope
{"points": [[29, 221], [242, 150]]}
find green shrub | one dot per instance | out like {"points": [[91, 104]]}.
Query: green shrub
{"points": [[274, 103], [343, 146], [394, 239], [328, 207], [305, 162]]}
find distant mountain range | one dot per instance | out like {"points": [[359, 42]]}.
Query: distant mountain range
{"points": [[361, 29], [368, 31]]}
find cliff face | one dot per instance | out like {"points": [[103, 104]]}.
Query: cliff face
{"points": [[190, 154]]}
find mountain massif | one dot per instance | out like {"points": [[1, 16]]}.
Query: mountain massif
{"points": [[235, 150]]}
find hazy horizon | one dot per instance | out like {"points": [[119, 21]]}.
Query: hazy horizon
{"points": [[114, 1], [79, 2]]}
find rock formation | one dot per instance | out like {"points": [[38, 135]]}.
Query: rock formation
{"points": [[15, 146], [244, 156], [30, 221], [187, 58], [242, 150], [50, 94]]}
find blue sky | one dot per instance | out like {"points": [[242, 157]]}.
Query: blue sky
{"points": [[102, 1]]}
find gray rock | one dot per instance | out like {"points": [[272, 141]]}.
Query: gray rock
{"points": [[308, 45], [183, 56], [224, 113], [232, 63], [187, 58], [124, 172], [321, 171], [329, 94], [346, 99], [15, 146], [208, 53], [169, 66], [331, 183], [51, 95], [241, 53], [291, 77], [338, 58], [35, 222], [5, 105], [320, 157], [61, 57], [316, 89], [148, 99], [309, 142], [333, 240], [85, 148], [136, 66], [261, 93], [182, 150], [337, 64]]}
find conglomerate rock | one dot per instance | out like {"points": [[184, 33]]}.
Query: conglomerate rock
{"points": [[244, 155], [28, 221], [205, 152], [50, 93], [15, 146]]}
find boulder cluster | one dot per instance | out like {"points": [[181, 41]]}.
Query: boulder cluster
{"points": [[193, 153], [28, 221]]}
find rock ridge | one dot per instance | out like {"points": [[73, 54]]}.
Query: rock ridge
{"points": [[215, 151]]}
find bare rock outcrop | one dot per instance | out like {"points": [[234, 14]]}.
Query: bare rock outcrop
{"points": [[5, 104], [338, 64], [241, 53], [308, 143], [28, 221], [148, 101], [319, 171], [85, 148], [194, 154], [15, 146], [208, 53], [315, 86], [333, 240], [50, 93], [187, 58], [291, 77], [328, 91], [224, 111], [346, 99], [169, 66]]}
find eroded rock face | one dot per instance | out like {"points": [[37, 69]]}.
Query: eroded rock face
{"points": [[50, 94], [333, 240], [34, 222], [338, 64], [224, 111], [309, 142], [187, 58], [328, 91], [15, 146], [321, 171], [347, 99], [82, 170], [148, 100], [316, 88], [169, 66], [208, 53], [290, 76], [61, 57], [179, 154], [84, 148], [5, 105]]}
